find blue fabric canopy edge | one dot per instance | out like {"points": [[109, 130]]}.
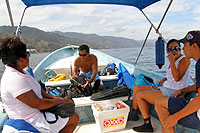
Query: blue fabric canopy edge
{"points": [[140, 4]]}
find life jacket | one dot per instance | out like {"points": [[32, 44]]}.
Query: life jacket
{"points": [[110, 69]]}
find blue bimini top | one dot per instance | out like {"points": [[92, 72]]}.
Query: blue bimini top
{"points": [[140, 4]]}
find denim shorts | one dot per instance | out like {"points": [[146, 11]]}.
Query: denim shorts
{"points": [[190, 121], [167, 92], [89, 75]]}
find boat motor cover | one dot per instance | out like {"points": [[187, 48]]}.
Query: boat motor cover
{"points": [[117, 91]]}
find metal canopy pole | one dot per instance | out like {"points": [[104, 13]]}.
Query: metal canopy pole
{"points": [[10, 15], [164, 15], [19, 26], [143, 45], [156, 29]]}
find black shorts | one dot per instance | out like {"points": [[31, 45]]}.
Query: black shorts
{"points": [[190, 121]]}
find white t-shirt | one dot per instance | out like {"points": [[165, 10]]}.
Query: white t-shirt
{"points": [[13, 84], [171, 82]]}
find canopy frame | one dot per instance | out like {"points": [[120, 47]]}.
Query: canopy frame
{"points": [[10, 16], [140, 4], [152, 25], [20, 23], [156, 29]]}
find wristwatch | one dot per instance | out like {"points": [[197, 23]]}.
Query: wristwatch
{"points": [[91, 80]]}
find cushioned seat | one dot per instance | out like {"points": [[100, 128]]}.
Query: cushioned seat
{"points": [[18, 125]]}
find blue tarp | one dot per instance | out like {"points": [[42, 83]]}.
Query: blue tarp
{"points": [[124, 76], [140, 4]]}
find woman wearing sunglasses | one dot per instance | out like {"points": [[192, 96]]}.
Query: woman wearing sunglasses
{"points": [[22, 96], [177, 77]]}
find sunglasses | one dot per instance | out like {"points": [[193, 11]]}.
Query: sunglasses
{"points": [[28, 54], [82, 54], [177, 48]]}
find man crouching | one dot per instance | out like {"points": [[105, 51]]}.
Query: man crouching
{"points": [[88, 65]]}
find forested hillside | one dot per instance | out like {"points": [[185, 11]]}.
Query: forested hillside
{"points": [[50, 41]]}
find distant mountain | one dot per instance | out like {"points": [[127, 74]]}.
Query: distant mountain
{"points": [[50, 41], [41, 40], [102, 41], [149, 43]]}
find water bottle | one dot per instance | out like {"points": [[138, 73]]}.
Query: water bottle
{"points": [[107, 107], [108, 73]]}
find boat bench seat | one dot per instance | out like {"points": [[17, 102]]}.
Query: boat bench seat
{"points": [[86, 101], [178, 128], [67, 82]]}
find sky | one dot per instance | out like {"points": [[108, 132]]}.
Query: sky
{"points": [[108, 20]]}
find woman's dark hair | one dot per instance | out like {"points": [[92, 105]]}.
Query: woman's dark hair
{"points": [[11, 49], [84, 47], [173, 40]]}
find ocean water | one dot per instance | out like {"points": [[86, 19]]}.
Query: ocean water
{"points": [[129, 55], [34, 61], [146, 60]]}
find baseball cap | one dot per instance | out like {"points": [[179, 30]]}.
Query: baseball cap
{"points": [[191, 37]]}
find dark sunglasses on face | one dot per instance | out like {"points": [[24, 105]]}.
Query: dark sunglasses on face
{"points": [[82, 54], [28, 54], [177, 48]]}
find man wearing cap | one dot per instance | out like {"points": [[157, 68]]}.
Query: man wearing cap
{"points": [[173, 110], [88, 65]]}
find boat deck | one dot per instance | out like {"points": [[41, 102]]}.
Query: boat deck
{"points": [[91, 127]]}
